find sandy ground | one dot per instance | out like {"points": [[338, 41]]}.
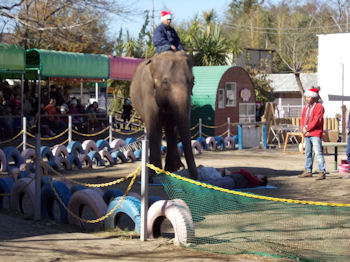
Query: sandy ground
{"points": [[22, 239]]}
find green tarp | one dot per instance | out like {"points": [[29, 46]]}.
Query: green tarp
{"points": [[67, 64], [12, 58]]}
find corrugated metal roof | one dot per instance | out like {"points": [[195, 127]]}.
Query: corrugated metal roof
{"points": [[286, 82], [12, 58], [66, 64], [123, 68], [206, 81]]}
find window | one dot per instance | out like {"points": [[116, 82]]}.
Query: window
{"points": [[230, 94], [221, 98], [246, 112]]}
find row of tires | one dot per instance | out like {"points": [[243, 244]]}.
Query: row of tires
{"points": [[78, 198]]}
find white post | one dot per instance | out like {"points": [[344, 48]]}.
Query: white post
{"points": [[81, 89], [69, 128], [110, 129], [228, 126], [96, 91], [200, 127], [37, 181], [144, 189], [24, 119]]}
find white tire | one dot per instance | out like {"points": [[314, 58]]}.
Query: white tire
{"points": [[210, 142], [196, 146], [28, 153], [89, 145], [85, 161], [90, 198], [106, 157], [130, 156], [117, 143], [60, 150], [63, 163], [229, 143], [178, 216], [3, 162]]}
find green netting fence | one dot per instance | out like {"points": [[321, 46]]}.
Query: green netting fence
{"points": [[234, 222]]}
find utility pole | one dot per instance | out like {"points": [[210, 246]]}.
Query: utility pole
{"points": [[152, 16]]}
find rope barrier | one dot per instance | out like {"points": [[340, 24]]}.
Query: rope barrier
{"points": [[13, 138], [196, 134], [65, 141], [54, 137], [19, 190], [194, 127], [127, 133], [103, 217], [31, 146], [95, 134], [275, 199], [20, 145], [224, 124]]}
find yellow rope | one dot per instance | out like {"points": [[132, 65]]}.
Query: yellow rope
{"points": [[128, 133], [294, 201], [224, 124], [30, 145], [223, 133], [192, 128], [95, 134], [101, 218], [29, 134], [54, 137], [97, 185], [20, 145], [65, 141], [196, 134], [13, 138], [19, 190]]}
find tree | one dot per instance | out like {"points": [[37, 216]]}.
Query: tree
{"points": [[61, 24]]}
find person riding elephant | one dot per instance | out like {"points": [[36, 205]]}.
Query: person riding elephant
{"points": [[165, 37], [161, 94]]}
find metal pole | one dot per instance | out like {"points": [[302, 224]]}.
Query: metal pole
{"points": [[200, 127], [106, 103], [81, 90], [69, 128], [24, 123], [37, 208], [96, 91], [144, 189], [22, 93], [110, 129], [228, 126], [264, 136], [39, 102], [240, 136]]}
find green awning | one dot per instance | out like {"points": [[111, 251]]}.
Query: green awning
{"points": [[12, 58], [68, 65]]}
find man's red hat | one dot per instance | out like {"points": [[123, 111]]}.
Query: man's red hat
{"points": [[165, 15]]}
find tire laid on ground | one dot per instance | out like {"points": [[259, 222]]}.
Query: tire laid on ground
{"points": [[62, 163], [110, 194], [229, 143], [138, 154], [117, 143], [48, 198], [102, 144], [96, 158], [119, 155], [12, 154], [130, 156], [74, 161], [28, 153], [220, 143], [210, 142], [6, 184], [45, 152], [197, 147], [130, 206], [178, 216], [21, 187], [89, 145], [3, 161], [60, 150], [106, 157], [85, 161], [203, 142], [90, 198], [75, 148], [130, 140]]}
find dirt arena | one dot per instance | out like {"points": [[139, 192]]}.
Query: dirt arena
{"points": [[23, 239]]}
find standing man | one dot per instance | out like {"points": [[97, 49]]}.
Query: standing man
{"points": [[348, 146], [127, 107], [165, 37], [312, 127]]}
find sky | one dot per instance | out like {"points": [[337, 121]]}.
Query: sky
{"points": [[181, 10]]}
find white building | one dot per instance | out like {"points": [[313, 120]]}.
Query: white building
{"points": [[334, 71]]}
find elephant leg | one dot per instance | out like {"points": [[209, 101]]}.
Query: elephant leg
{"points": [[172, 160], [155, 135]]}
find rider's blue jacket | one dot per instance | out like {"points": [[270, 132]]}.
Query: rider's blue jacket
{"points": [[165, 36]]}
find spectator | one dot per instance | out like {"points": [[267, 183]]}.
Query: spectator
{"points": [[348, 146], [165, 37], [127, 108], [311, 124]]}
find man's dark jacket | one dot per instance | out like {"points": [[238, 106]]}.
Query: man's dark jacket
{"points": [[165, 36]]}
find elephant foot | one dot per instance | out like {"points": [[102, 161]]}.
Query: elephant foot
{"points": [[171, 167]]}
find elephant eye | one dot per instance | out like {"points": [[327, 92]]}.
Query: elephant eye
{"points": [[165, 82]]}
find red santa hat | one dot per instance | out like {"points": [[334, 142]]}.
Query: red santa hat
{"points": [[165, 15], [312, 92]]}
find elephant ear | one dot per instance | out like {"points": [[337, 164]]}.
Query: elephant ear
{"points": [[150, 67]]}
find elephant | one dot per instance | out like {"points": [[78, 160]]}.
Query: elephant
{"points": [[160, 92]]}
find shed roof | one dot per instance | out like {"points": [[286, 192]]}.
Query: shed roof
{"points": [[283, 83], [66, 64], [12, 58], [123, 68], [206, 81]]}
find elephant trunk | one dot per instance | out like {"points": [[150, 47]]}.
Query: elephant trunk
{"points": [[183, 123]]}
